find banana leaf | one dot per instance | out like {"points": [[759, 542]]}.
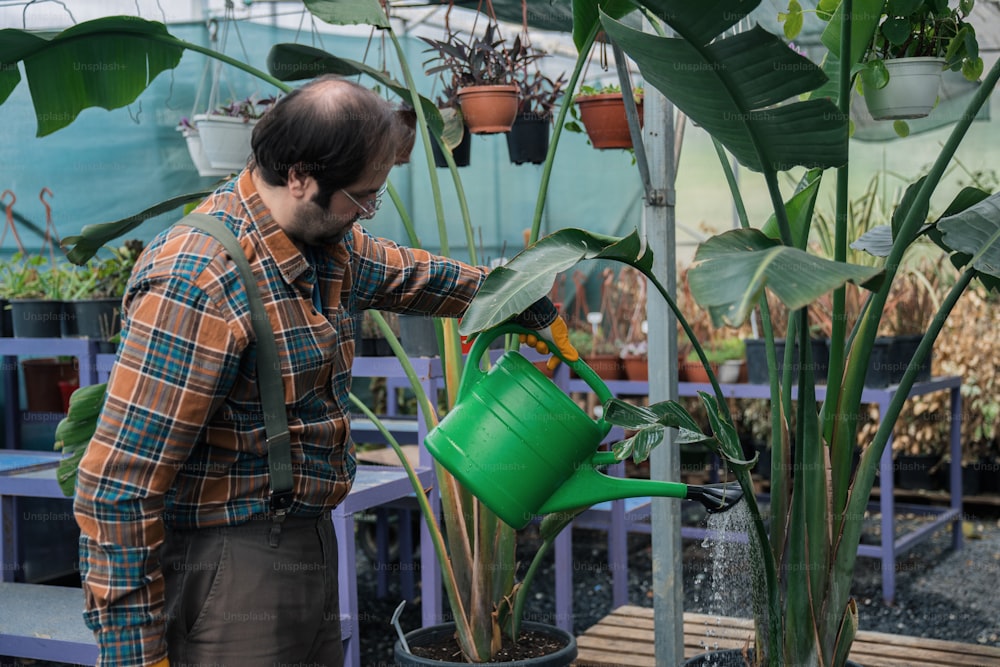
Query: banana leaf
{"points": [[730, 271], [103, 63], [349, 12], [736, 86]]}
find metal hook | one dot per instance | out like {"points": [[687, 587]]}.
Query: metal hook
{"points": [[48, 208], [10, 222], [213, 30]]}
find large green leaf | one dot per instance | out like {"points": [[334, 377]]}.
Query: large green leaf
{"points": [[735, 87], [104, 63], [294, 62], [731, 270], [349, 12], [93, 237], [510, 289], [878, 242], [975, 233]]}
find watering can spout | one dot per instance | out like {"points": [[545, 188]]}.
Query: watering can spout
{"points": [[588, 487]]}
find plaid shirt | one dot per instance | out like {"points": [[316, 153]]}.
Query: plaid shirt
{"points": [[181, 438]]}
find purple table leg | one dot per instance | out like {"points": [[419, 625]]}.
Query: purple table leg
{"points": [[564, 579]]}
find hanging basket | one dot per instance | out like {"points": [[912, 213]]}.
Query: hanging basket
{"points": [[911, 92], [603, 117], [197, 153], [225, 140], [488, 109]]}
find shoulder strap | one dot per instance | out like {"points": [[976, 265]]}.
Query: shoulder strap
{"points": [[269, 382]]}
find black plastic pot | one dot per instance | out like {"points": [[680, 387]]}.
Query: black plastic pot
{"points": [[759, 373], [36, 318], [436, 633], [881, 372], [732, 657], [528, 139], [462, 153], [901, 353], [99, 319], [418, 336], [915, 472]]}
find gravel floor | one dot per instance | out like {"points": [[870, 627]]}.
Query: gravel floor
{"points": [[940, 593]]}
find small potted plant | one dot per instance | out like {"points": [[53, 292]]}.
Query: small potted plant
{"points": [[94, 292], [599, 352], [482, 74], [914, 42], [635, 360], [224, 132], [602, 112], [33, 287], [528, 139]]}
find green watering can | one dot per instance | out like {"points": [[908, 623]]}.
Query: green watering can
{"points": [[524, 448]]}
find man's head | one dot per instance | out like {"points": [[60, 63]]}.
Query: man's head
{"points": [[331, 144]]}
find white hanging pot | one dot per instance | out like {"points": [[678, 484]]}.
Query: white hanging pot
{"points": [[911, 91], [197, 153], [225, 140]]}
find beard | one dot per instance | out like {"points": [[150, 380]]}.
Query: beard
{"points": [[316, 225]]}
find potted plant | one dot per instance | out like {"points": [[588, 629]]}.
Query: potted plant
{"points": [[635, 362], [599, 352], [528, 139], [94, 293], [224, 132], [913, 43], [804, 557], [197, 152], [602, 112], [33, 287], [482, 75]]}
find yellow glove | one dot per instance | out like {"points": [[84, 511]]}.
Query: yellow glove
{"points": [[558, 333], [162, 663]]}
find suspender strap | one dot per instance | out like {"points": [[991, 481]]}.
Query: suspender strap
{"points": [[269, 382]]}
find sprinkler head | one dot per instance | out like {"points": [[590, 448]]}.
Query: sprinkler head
{"points": [[716, 498]]}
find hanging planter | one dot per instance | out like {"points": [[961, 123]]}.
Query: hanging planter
{"points": [[462, 153], [225, 140], [528, 139], [910, 48], [603, 117], [910, 92], [197, 153], [488, 109]]}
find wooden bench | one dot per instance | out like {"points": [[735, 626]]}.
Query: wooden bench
{"points": [[624, 638]]}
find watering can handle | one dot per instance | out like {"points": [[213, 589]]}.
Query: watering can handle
{"points": [[481, 345]]}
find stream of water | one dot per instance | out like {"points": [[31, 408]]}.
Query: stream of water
{"points": [[727, 587]]}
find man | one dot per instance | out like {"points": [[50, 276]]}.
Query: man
{"points": [[182, 553]]}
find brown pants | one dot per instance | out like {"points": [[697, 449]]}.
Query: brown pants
{"points": [[233, 600]]}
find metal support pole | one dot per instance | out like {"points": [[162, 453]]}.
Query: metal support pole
{"points": [[659, 218]]}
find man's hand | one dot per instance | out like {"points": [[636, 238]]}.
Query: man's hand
{"points": [[558, 333]]}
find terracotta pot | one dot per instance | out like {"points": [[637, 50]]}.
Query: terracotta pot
{"points": [[603, 117], [693, 371], [488, 109], [636, 368], [607, 366]]}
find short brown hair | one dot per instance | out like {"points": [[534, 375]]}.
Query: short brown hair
{"points": [[331, 128]]}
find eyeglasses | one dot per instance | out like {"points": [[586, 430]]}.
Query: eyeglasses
{"points": [[373, 204]]}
